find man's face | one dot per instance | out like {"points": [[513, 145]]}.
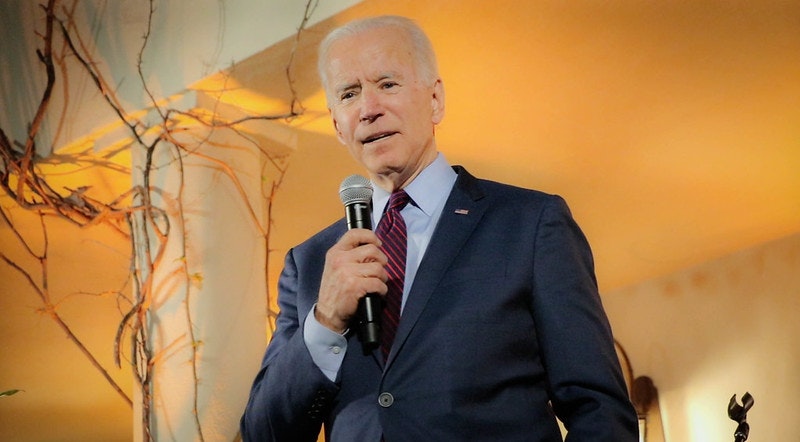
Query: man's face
{"points": [[382, 110]]}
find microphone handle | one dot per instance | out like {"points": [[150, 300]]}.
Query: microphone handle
{"points": [[369, 322], [368, 314], [359, 216]]}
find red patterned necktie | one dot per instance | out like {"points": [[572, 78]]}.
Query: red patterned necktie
{"points": [[392, 233]]}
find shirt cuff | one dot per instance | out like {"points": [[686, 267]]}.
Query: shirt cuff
{"points": [[327, 347]]}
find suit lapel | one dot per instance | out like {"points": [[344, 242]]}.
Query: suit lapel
{"points": [[463, 209]]}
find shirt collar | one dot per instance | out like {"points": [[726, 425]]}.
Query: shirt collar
{"points": [[428, 190]]}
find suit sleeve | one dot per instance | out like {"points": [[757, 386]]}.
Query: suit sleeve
{"points": [[290, 396], [588, 391]]}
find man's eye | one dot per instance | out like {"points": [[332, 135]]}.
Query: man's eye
{"points": [[388, 85], [347, 95]]}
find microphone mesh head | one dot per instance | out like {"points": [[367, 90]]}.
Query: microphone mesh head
{"points": [[355, 189]]}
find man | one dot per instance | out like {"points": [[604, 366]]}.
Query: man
{"points": [[501, 329]]}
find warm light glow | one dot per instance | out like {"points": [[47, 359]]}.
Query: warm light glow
{"points": [[703, 420], [225, 89]]}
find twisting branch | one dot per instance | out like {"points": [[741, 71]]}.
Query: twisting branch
{"points": [[33, 192], [29, 189], [46, 57], [187, 305], [43, 292], [135, 214], [311, 6]]}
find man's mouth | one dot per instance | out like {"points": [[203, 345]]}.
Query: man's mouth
{"points": [[377, 137]]}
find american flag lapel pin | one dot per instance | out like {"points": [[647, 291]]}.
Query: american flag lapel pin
{"points": [[462, 211]]}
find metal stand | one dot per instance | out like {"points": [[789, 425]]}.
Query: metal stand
{"points": [[739, 414]]}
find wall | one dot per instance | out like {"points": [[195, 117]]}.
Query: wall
{"points": [[189, 40], [725, 327], [64, 397]]}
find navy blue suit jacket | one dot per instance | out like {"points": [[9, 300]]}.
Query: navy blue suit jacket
{"points": [[503, 327]]}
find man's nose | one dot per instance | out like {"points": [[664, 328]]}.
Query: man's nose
{"points": [[370, 106]]}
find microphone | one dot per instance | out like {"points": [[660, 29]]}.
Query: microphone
{"points": [[356, 195]]}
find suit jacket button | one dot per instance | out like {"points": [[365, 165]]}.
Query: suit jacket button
{"points": [[385, 400]]}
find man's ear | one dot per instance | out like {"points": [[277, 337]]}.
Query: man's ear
{"points": [[437, 101]]}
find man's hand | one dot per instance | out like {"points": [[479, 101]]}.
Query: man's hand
{"points": [[354, 266]]}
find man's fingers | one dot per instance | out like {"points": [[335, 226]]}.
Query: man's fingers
{"points": [[357, 237], [373, 269]]}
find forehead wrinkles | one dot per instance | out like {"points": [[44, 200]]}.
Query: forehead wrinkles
{"points": [[348, 78], [368, 57]]}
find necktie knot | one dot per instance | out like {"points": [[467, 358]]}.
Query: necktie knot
{"points": [[398, 200]]}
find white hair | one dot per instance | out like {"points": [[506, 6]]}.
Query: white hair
{"points": [[424, 56]]}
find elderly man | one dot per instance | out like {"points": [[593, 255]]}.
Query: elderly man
{"points": [[492, 324]]}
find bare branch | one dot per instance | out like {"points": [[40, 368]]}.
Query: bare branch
{"points": [[132, 214]]}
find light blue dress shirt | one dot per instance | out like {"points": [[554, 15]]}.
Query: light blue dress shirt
{"points": [[428, 191]]}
